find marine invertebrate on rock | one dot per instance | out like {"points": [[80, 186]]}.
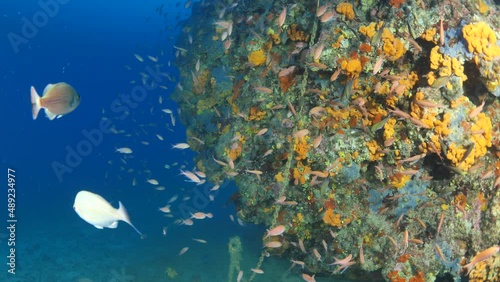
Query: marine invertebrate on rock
{"points": [[301, 147], [295, 34], [482, 7], [393, 47], [410, 195], [266, 46], [389, 128], [481, 40], [257, 58], [275, 38], [300, 172], [352, 67], [482, 129], [419, 277], [256, 114], [445, 66], [441, 127], [399, 180], [491, 76], [279, 177], [365, 47], [466, 150], [396, 3], [403, 258], [286, 78], [297, 220], [368, 30], [235, 151], [346, 9], [375, 151], [429, 35], [332, 218]]}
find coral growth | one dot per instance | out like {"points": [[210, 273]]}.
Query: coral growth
{"points": [[295, 34], [332, 218], [257, 58], [301, 147], [300, 172], [396, 3], [369, 30], [346, 9], [352, 67], [393, 47], [445, 66], [481, 40], [255, 114], [286, 78]]}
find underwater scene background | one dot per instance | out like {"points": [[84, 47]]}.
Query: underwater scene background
{"points": [[252, 140]]}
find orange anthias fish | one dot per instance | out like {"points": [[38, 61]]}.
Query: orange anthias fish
{"points": [[57, 100]]}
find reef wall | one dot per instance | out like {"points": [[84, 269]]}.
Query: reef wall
{"points": [[368, 130]]}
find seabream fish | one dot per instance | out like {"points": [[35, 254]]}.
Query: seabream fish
{"points": [[95, 210], [57, 100]]}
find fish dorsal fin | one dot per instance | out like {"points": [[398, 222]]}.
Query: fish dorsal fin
{"points": [[47, 88], [123, 215]]}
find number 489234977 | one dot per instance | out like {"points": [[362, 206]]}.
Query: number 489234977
{"points": [[11, 192]]}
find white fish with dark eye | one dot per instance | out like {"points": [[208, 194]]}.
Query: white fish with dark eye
{"points": [[57, 100], [95, 210]]}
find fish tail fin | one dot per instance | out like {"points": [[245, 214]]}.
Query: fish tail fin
{"points": [[123, 215], [467, 268], [35, 103]]}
